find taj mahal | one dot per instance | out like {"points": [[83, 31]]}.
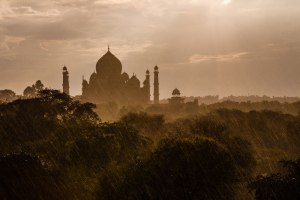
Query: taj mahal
{"points": [[109, 83]]}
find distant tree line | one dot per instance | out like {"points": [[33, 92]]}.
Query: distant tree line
{"points": [[8, 95], [212, 99]]}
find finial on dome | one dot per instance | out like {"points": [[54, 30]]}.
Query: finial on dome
{"points": [[108, 47]]}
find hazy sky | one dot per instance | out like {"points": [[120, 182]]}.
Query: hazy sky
{"points": [[202, 47]]}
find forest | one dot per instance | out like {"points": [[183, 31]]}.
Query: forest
{"points": [[53, 146]]}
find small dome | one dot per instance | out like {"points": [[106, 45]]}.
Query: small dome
{"points": [[176, 92], [93, 77], [65, 68], [145, 82], [147, 72], [109, 65], [156, 68], [125, 76], [134, 81]]}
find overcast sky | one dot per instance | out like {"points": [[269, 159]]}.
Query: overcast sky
{"points": [[202, 47]]}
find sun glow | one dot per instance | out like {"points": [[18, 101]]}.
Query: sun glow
{"points": [[226, 2]]}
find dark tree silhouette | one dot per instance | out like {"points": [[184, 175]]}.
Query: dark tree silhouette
{"points": [[7, 95], [32, 91], [109, 143], [39, 86], [29, 91], [48, 113], [26, 177], [240, 149], [208, 126], [149, 125], [180, 168], [279, 186]]}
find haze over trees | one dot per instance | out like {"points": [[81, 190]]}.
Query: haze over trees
{"points": [[7, 95], [212, 99], [55, 147]]}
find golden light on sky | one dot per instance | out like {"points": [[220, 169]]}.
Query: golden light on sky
{"points": [[201, 46], [225, 2]]}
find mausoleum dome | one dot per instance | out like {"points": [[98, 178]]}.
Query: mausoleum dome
{"points": [[108, 65]]}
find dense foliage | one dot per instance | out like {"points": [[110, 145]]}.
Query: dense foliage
{"points": [[57, 148], [279, 186], [180, 168], [68, 136], [26, 177]]}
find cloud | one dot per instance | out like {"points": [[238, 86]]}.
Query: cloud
{"points": [[196, 58], [29, 11], [108, 2]]}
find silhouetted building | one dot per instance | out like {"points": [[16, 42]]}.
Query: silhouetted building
{"points": [[109, 84], [156, 86], [176, 99], [66, 85], [147, 86]]}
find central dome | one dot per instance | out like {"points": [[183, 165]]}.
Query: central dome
{"points": [[108, 65]]}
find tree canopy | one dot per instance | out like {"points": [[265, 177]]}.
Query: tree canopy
{"points": [[279, 186]]}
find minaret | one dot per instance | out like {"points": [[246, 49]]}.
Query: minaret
{"points": [[65, 85], [85, 86], [156, 86], [147, 86]]}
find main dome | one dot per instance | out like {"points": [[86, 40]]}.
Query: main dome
{"points": [[108, 65]]}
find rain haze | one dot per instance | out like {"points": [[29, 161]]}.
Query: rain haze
{"points": [[203, 47], [149, 99]]}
